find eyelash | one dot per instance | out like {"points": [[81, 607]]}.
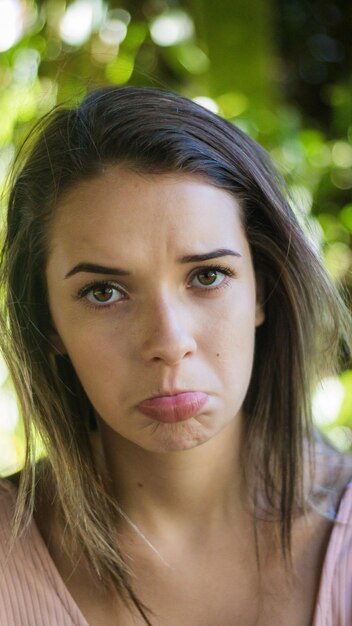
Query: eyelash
{"points": [[83, 293]]}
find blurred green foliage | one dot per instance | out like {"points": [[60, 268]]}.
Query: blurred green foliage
{"points": [[280, 70]]}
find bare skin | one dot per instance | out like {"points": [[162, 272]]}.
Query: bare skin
{"points": [[206, 574], [158, 328]]}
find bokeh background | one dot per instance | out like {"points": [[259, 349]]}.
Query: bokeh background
{"points": [[280, 70]]}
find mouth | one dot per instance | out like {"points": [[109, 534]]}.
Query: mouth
{"points": [[175, 407]]}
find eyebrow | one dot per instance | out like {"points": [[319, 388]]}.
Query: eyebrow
{"points": [[93, 268]]}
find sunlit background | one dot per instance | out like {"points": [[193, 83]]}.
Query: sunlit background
{"points": [[280, 70]]}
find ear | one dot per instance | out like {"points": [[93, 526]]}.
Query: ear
{"points": [[260, 296]]}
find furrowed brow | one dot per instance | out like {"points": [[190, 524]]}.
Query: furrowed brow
{"points": [[196, 258], [93, 268]]}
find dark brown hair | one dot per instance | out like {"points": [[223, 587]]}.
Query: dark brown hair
{"points": [[301, 339]]}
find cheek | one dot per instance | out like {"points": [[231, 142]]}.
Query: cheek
{"points": [[98, 355], [232, 341], [235, 324], [95, 354], [104, 374]]}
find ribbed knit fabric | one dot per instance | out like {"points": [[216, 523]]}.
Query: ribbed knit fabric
{"points": [[32, 593]]}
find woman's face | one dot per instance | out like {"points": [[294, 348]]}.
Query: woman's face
{"points": [[139, 316]]}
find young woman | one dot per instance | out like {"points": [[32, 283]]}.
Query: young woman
{"points": [[166, 320]]}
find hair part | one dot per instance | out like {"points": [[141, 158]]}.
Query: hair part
{"points": [[153, 131]]}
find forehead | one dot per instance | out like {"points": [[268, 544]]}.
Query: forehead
{"points": [[139, 211]]}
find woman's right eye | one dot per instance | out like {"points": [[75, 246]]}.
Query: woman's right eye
{"points": [[102, 294]]}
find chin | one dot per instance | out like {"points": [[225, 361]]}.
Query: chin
{"points": [[176, 437]]}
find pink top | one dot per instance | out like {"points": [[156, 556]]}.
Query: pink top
{"points": [[32, 592]]}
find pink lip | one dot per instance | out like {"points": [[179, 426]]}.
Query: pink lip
{"points": [[175, 408]]}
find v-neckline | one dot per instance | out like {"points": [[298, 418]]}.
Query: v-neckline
{"points": [[56, 581]]}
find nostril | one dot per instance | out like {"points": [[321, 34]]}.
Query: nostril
{"points": [[170, 352]]}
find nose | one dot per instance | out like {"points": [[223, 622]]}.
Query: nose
{"points": [[167, 333]]}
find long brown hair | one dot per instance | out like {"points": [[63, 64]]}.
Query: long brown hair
{"points": [[303, 337]]}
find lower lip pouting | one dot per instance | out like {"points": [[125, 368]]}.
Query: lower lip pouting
{"points": [[175, 408]]}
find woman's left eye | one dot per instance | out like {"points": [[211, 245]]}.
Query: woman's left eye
{"points": [[210, 277]]}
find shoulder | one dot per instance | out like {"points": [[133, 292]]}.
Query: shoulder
{"points": [[334, 605], [31, 590], [332, 475]]}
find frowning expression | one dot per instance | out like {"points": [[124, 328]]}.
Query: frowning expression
{"points": [[152, 291]]}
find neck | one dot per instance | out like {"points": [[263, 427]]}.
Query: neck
{"points": [[184, 488]]}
